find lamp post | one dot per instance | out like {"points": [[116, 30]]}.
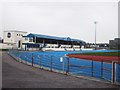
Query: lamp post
{"points": [[95, 32]]}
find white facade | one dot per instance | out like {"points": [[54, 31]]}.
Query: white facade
{"points": [[5, 46], [13, 38]]}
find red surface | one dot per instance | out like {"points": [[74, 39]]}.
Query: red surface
{"points": [[96, 58]]}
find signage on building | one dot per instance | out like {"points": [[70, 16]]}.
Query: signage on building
{"points": [[9, 35]]}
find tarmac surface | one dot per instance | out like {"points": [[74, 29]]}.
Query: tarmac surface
{"points": [[19, 75]]}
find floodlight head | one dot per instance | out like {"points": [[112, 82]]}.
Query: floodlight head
{"points": [[95, 22]]}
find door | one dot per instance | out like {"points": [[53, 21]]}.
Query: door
{"points": [[19, 44]]}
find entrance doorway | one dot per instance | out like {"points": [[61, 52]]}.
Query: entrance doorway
{"points": [[19, 44]]}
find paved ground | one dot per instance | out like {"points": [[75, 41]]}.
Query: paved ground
{"points": [[19, 75]]}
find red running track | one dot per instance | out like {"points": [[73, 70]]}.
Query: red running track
{"points": [[108, 59]]}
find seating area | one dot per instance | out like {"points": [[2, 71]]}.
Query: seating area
{"points": [[47, 43]]}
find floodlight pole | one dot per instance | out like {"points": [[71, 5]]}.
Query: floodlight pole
{"points": [[95, 32]]}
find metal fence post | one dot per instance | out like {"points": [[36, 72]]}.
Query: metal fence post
{"points": [[40, 60], [19, 58], [51, 63], [102, 69], [17, 55], [113, 72], [26, 58], [92, 69], [63, 64], [67, 71], [32, 59]]}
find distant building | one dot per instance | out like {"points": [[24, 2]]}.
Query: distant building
{"points": [[98, 45], [114, 44], [22, 40], [12, 39]]}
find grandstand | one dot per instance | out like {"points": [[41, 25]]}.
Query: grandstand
{"points": [[51, 43]]}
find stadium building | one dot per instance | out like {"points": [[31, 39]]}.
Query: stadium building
{"points": [[45, 42], [12, 39], [114, 44], [24, 41]]}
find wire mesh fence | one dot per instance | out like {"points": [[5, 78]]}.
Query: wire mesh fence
{"points": [[63, 64]]}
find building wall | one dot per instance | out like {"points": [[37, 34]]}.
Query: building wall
{"points": [[13, 37], [7, 46], [114, 43]]}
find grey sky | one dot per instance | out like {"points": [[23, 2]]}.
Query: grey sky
{"points": [[73, 19]]}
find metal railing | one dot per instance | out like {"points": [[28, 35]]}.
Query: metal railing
{"points": [[70, 66]]}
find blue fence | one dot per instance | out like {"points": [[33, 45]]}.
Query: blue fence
{"points": [[57, 61]]}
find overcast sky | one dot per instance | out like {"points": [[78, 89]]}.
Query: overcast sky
{"points": [[64, 19]]}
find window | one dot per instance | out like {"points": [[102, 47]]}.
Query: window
{"points": [[30, 39], [17, 34], [26, 38]]}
